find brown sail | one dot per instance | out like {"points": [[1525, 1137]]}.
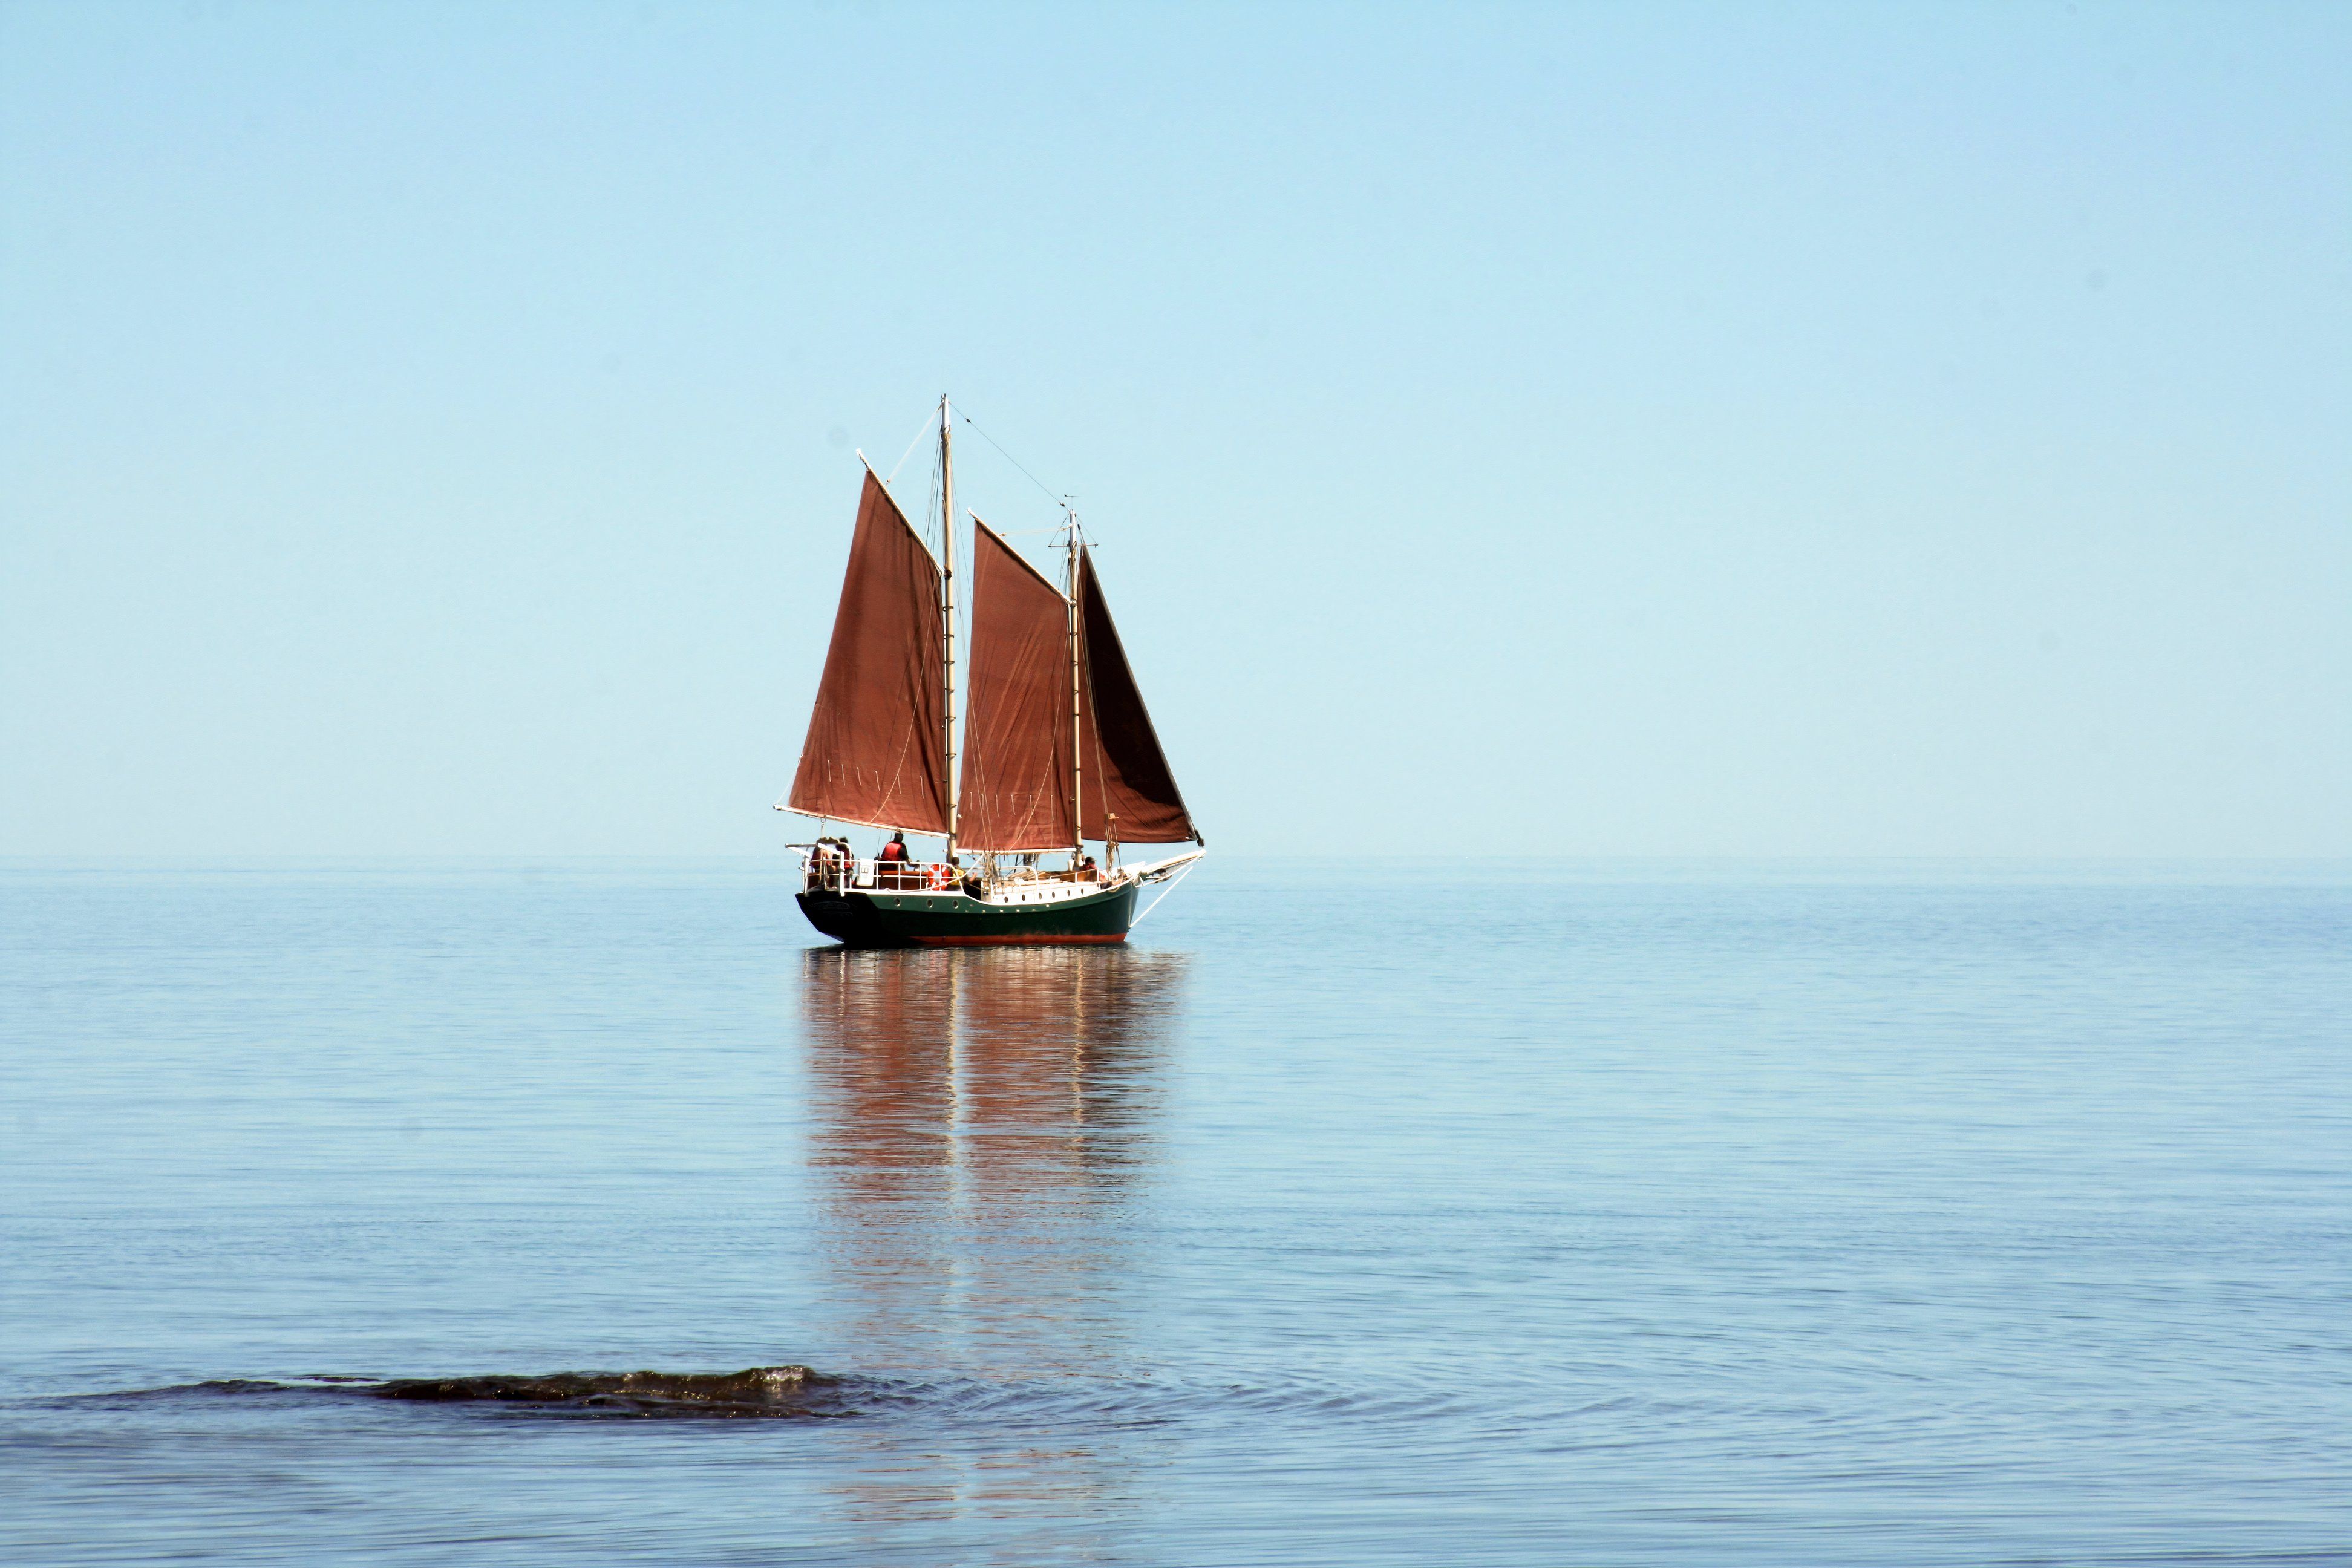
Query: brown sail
{"points": [[1014, 792], [1126, 790], [876, 747]]}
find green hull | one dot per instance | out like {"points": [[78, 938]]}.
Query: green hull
{"points": [[862, 918]]}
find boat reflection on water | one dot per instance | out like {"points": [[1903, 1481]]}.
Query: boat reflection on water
{"points": [[981, 1119], [984, 1123]]}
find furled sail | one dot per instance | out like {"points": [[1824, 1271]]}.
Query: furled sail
{"points": [[1123, 774], [876, 747], [1014, 792]]}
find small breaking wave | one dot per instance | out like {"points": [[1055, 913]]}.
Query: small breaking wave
{"points": [[794, 1392], [759, 1392]]}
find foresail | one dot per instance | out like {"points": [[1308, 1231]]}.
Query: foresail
{"points": [[1015, 785], [1127, 790], [877, 748]]}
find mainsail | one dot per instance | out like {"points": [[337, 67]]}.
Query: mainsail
{"points": [[1127, 793], [1014, 792], [876, 747]]}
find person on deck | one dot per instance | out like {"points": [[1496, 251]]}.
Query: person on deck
{"points": [[893, 859], [1087, 869]]}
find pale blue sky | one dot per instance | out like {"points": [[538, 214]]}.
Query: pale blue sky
{"points": [[1799, 430]]}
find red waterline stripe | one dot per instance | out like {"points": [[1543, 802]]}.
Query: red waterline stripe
{"points": [[1009, 941]]}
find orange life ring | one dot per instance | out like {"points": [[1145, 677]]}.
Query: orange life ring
{"points": [[942, 875]]}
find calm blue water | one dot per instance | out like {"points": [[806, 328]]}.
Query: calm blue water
{"points": [[1631, 1215]]}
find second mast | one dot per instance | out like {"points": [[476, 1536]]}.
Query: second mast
{"points": [[947, 592]]}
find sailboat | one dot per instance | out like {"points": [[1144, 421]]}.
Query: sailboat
{"points": [[1057, 749]]}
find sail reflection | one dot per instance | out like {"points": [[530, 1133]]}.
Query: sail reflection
{"points": [[983, 1118]]}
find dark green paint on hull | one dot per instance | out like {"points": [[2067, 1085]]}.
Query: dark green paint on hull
{"points": [[861, 918]]}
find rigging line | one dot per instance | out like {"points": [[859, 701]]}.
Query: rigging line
{"points": [[1056, 500], [909, 452], [1181, 872]]}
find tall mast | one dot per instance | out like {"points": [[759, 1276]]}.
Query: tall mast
{"points": [[946, 586], [1077, 722]]}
